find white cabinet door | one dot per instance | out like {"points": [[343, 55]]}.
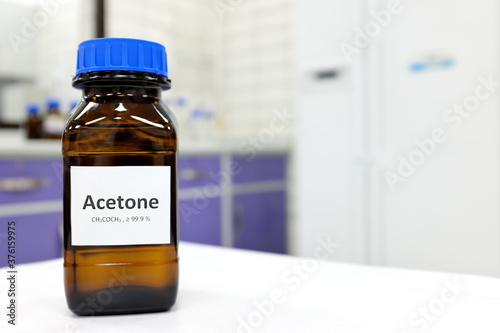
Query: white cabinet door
{"points": [[330, 176], [443, 213]]}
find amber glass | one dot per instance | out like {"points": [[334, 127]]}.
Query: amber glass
{"points": [[34, 127], [120, 124]]}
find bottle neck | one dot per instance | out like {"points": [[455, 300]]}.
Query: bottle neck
{"points": [[123, 92], [119, 84]]}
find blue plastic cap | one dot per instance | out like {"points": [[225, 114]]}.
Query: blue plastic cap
{"points": [[32, 108], [52, 103], [121, 54]]}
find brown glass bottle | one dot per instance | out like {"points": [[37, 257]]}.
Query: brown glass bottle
{"points": [[34, 122], [120, 123], [53, 121]]}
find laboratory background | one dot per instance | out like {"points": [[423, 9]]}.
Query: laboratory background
{"points": [[371, 124]]}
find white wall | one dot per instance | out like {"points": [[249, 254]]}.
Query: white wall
{"points": [[16, 58], [57, 46]]}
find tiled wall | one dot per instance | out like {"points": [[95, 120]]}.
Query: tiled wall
{"points": [[259, 64], [236, 63], [190, 32]]}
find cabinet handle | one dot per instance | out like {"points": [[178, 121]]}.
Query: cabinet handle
{"points": [[238, 219], [192, 174], [21, 184]]}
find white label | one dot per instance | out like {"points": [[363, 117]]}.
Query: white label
{"points": [[53, 124], [120, 205]]}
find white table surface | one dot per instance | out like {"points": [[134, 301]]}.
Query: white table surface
{"points": [[220, 288]]}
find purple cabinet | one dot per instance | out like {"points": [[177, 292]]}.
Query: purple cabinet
{"points": [[259, 203], [27, 180], [197, 171], [38, 237], [254, 197], [258, 197], [260, 168], [24, 182], [199, 213], [200, 220], [259, 221]]}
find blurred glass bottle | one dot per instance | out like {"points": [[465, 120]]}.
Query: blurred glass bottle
{"points": [[34, 121], [53, 120]]}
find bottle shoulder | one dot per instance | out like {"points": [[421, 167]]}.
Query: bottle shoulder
{"points": [[116, 126], [120, 114]]}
